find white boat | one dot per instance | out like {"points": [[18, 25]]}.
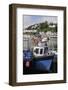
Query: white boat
{"points": [[41, 51]]}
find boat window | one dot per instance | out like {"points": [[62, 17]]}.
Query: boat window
{"points": [[45, 49], [36, 51], [41, 51]]}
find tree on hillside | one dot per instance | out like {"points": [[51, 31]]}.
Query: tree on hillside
{"points": [[44, 25]]}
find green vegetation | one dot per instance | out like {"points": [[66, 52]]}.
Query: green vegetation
{"points": [[43, 27]]}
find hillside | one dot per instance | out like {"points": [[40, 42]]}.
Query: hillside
{"points": [[44, 26]]}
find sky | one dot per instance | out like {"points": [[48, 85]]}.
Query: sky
{"points": [[34, 19]]}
